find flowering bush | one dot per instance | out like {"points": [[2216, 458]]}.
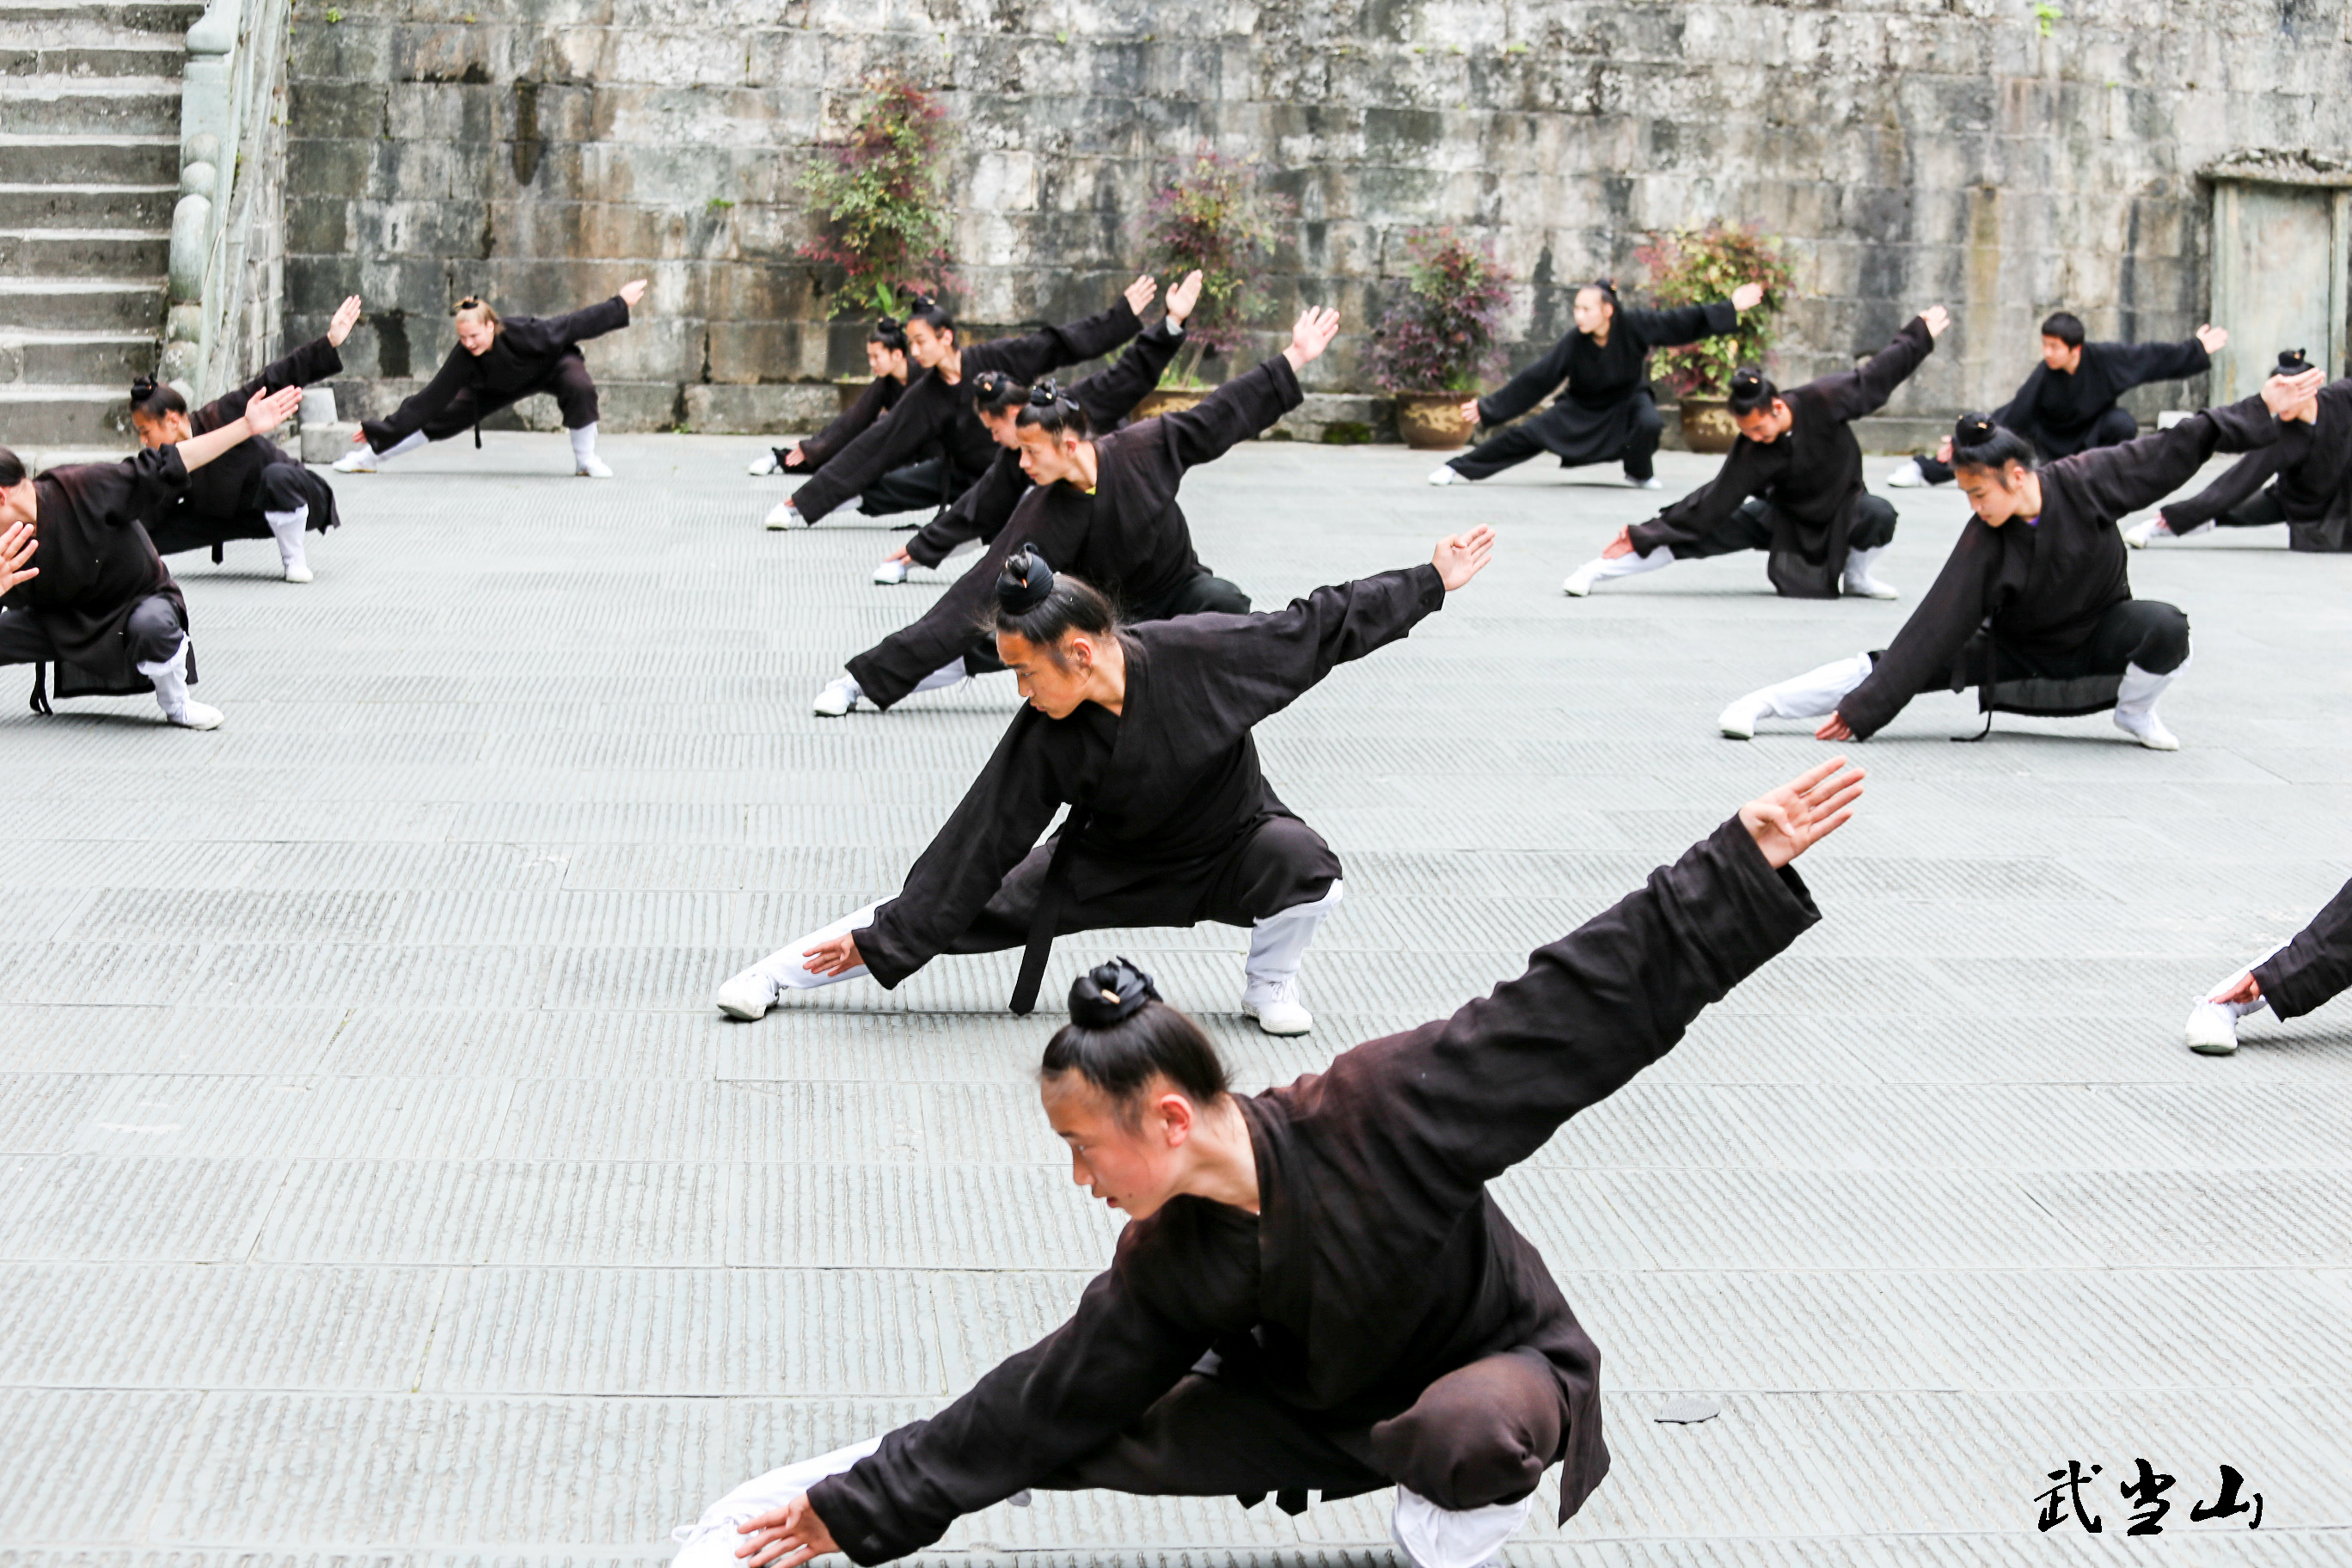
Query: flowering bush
{"points": [[1213, 216], [881, 197], [1440, 336], [1697, 266]]}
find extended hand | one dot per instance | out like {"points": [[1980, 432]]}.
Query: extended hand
{"points": [[2281, 392], [1469, 411], [1313, 333], [1801, 813], [838, 956], [1183, 297], [1944, 451], [632, 292], [2214, 338], [2245, 990], [796, 457], [267, 413], [785, 1537], [1747, 295], [1834, 728], [1139, 292], [347, 316], [1620, 546], [1463, 556], [16, 547], [898, 554], [1938, 319]]}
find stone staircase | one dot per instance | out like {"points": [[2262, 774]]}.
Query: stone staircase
{"points": [[90, 140]]}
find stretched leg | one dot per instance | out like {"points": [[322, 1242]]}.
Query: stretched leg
{"points": [[1641, 447], [1468, 1454], [1209, 1437], [2147, 641], [1504, 450], [914, 488], [1748, 528], [711, 1540], [363, 458], [750, 994], [1813, 695], [1873, 531], [285, 507], [1202, 595], [2111, 428]]}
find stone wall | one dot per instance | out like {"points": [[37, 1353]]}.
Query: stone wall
{"points": [[543, 150]]}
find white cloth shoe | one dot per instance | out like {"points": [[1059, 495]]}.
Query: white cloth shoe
{"points": [[360, 459], [169, 678], [2213, 1028], [893, 572], [2139, 533], [1859, 580], [1813, 695], [195, 715], [763, 465], [784, 514], [750, 994], [585, 463], [747, 997], [712, 1541], [286, 529], [2136, 708], [1445, 474], [590, 467], [1276, 1007], [1435, 1537], [1270, 992], [1651, 483], [1601, 568], [1908, 476], [837, 699]]}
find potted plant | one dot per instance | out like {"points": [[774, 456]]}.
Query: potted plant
{"points": [[881, 197], [1439, 339], [1696, 266], [1211, 215]]}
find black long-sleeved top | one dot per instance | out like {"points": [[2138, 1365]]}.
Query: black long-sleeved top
{"points": [[2058, 408], [1171, 779], [1107, 396], [935, 413], [2309, 467], [2313, 968], [1811, 475], [1602, 375], [519, 360], [225, 493], [1128, 537], [879, 398], [2040, 584], [97, 564], [1378, 1261]]}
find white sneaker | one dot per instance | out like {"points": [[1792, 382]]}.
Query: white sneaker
{"points": [[360, 459], [747, 997], [196, 716], [2149, 731], [1275, 1007], [836, 698], [1739, 722], [1580, 581], [712, 1540], [590, 467], [783, 514], [2213, 1029], [892, 572], [1444, 475], [300, 574], [1862, 585], [1908, 476], [1651, 483], [2139, 533], [763, 465]]}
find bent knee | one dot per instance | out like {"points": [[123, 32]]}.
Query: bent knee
{"points": [[2164, 639]]}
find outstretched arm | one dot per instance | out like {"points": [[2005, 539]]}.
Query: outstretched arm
{"points": [[1866, 389], [2135, 364], [261, 415], [2237, 484], [1032, 354], [1527, 388], [2115, 480], [1246, 405]]}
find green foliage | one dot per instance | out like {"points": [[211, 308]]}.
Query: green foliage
{"points": [[1213, 215], [882, 198], [1698, 266], [1440, 336], [719, 204], [2046, 17], [334, 16]]}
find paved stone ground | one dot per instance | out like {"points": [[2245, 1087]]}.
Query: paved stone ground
{"points": [[374, 1177]]}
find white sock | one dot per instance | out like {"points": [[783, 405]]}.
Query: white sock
{"points": [[170, 678], [787, 967], [946, 675], [1816, 693], [1435, 1537], [584, 442], [286, 527], [408, 443], [764, 1494], [2135, 697], [1859, 562], [1631, 564], [1278, 942]]}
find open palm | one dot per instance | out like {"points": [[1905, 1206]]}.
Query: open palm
{"points": [[1788, 821]]}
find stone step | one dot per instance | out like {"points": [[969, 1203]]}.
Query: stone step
{"points": [[87, 417], [100, 305], [129, 253], [87, 106], [29, 358], [34, 20], [126, 160], [95, 52], [92, 205]]}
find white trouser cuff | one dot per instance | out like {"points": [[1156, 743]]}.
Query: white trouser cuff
{"points": [[1631, 564], [170, 678], [1278, 942], [583, 442], [711, 1540], [1435, 1537], [408, 443], [286, 527], [946, 675], [787, 966], [1817, 691], [2135, 697]]}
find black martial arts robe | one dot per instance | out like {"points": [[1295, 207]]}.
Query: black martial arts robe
{"points": [[2309, 467], [936, 415], [225, 497], [879, 398], [530, 355], [2015, 606], [1108, 396], [1607, 409], [2315, 966], [1129, 537], [97, 568], [1378, 1271], [1809, 479], [2060, 411], [1172, 821]]}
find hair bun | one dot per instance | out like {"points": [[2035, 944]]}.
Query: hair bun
{"points": [[1024, 582], [2292, 362], [142, 387], [1109, 994], [1045, 394], [887, 323], [1747, 381], [1972, 430]]}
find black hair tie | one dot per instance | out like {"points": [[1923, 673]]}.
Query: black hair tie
{"points": [[1109, 994], [1045, 394], [1024, 584]]}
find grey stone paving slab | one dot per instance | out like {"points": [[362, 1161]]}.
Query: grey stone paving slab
{"points": [[377, 1186]]}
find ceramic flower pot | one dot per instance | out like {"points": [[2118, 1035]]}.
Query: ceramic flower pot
{"points": [[1170, 400], [1432, 420], [1706, 424]]}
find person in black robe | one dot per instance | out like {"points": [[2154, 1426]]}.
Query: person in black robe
{"points": [[1315, 1289], [2300, 976], [1144, 733], [1102, 506], [2068, 402], [1606, 414], [2034, 606], [256, 490], [500, 361], [1791, 484], [934, 419], [1107, 396], [81, 584], [885, 356], [2309, 474]]}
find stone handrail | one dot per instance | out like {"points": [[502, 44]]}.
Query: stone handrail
{"points": [[227, 257]]}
